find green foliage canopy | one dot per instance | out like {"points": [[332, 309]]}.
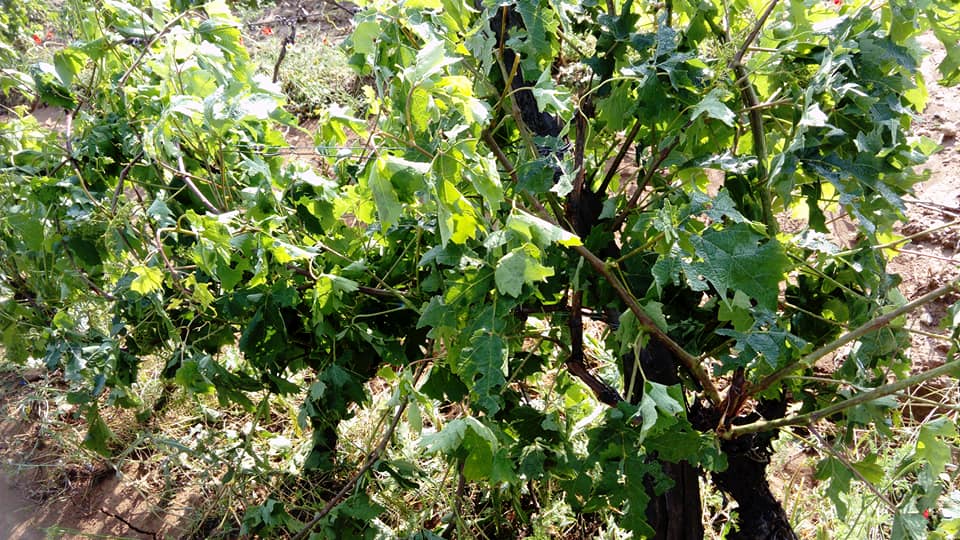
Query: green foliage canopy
{"points": [[448, 226]]}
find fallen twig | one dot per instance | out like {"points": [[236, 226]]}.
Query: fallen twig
{"points": [[133, 527], [372, 459]]}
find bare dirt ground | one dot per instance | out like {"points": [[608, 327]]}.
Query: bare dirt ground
{"points": [[15, 515], [932, 260], [49, 491]]}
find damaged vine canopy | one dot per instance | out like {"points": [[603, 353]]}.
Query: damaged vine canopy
{"points": [[518, 169]]}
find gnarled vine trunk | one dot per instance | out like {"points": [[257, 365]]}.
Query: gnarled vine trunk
{"points": [[677, 513]]}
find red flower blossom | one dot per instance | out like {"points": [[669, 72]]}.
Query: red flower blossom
{"points": [[37, 40], [838, 3], [50, 35], [266, 30], [926, 513]]}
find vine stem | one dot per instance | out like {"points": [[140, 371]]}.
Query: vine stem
{"points": [[690, 362], [305, 17], [289, 40], [906, 239], [146, 48], [810, 418], [188, 180], [758, 134], [842, 458], [648, 175], [372, 459], [83, 275], [120, 179], [754, 110], [754, 32], [457, 500], [927, 255], [853, 335], [68, 136], [501, 157], [621, 154]]}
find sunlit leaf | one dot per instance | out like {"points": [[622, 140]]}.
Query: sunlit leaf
{"points": [[713, 107], [148, 279], [520, 266]]}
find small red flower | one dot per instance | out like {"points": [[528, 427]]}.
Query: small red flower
{"points": [[37, 40], [267, 31], [838, 3], [50, 35], [926, 513]]}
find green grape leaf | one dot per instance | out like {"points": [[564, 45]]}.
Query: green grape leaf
{"points": [[909, 523], [484, 177], [360, 507], [50, 87], [540, 24], [930, 448], [661, 396], [772, 344], [148, 279], [457, 216], [840, 477], [447, 440], [86, 251], [384, 195], [189, 376], [431, 60], [540, 231], [365, 36], [713, 106], [738, 258], [68, 62], [437, 314], [814, 116], [271, 515], [657, 397], [478, 464], [870, 470], [520, 266], [549, 97], [482, 367], [502, 468], [616, 109], [98, 433], [471, 440]]}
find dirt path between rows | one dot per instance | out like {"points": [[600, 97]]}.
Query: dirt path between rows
{"points": [[16, 515], [49, 491], [20, 518]]}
